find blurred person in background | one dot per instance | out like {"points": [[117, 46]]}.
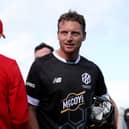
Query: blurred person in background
{"points": [[126, 117], [42, 49]]}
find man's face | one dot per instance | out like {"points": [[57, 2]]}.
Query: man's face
{"points": [[42, 52], [70, 36]]}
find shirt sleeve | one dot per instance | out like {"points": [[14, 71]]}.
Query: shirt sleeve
{"points": [[18, 106], [100, 88], [33, 84]]}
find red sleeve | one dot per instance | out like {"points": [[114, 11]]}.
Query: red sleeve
{"points": [[18, 106]]}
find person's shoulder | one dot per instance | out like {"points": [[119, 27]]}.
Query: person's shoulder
{"points": [[7, 63], [87, 61], [6, 59], [90, 64]]}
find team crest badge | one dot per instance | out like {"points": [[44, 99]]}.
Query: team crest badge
{"points": [[86, 78]]}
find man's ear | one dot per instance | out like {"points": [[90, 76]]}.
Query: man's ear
{"points": [[84, 36]]}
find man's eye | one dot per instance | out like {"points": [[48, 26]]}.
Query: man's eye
{"points": [[75, 33], [63, 32]]}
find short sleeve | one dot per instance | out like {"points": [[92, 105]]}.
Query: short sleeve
{"points": [[100, 88], [33, 84]]}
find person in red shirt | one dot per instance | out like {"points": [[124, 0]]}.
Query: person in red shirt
{"points": [[13, 99]]}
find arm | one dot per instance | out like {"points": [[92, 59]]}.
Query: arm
{"points": [[102, 87], [18, 106], [33, 92], [33, 123], [116, 114]]}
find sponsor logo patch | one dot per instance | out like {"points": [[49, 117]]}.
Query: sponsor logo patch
{"points": [[73, 101]]}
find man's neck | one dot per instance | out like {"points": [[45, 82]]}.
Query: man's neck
{"points": [[67, 56], [67, 60]]}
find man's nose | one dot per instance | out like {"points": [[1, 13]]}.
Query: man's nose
{"points": [[69, 36]]}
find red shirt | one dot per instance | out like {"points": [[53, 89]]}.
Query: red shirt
{"points": [[13, 101]]}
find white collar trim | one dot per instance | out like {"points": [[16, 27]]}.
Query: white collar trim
{"points": [[65, 61]]}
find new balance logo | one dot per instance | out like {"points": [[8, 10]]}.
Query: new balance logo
{"points": [[57, 80]]}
